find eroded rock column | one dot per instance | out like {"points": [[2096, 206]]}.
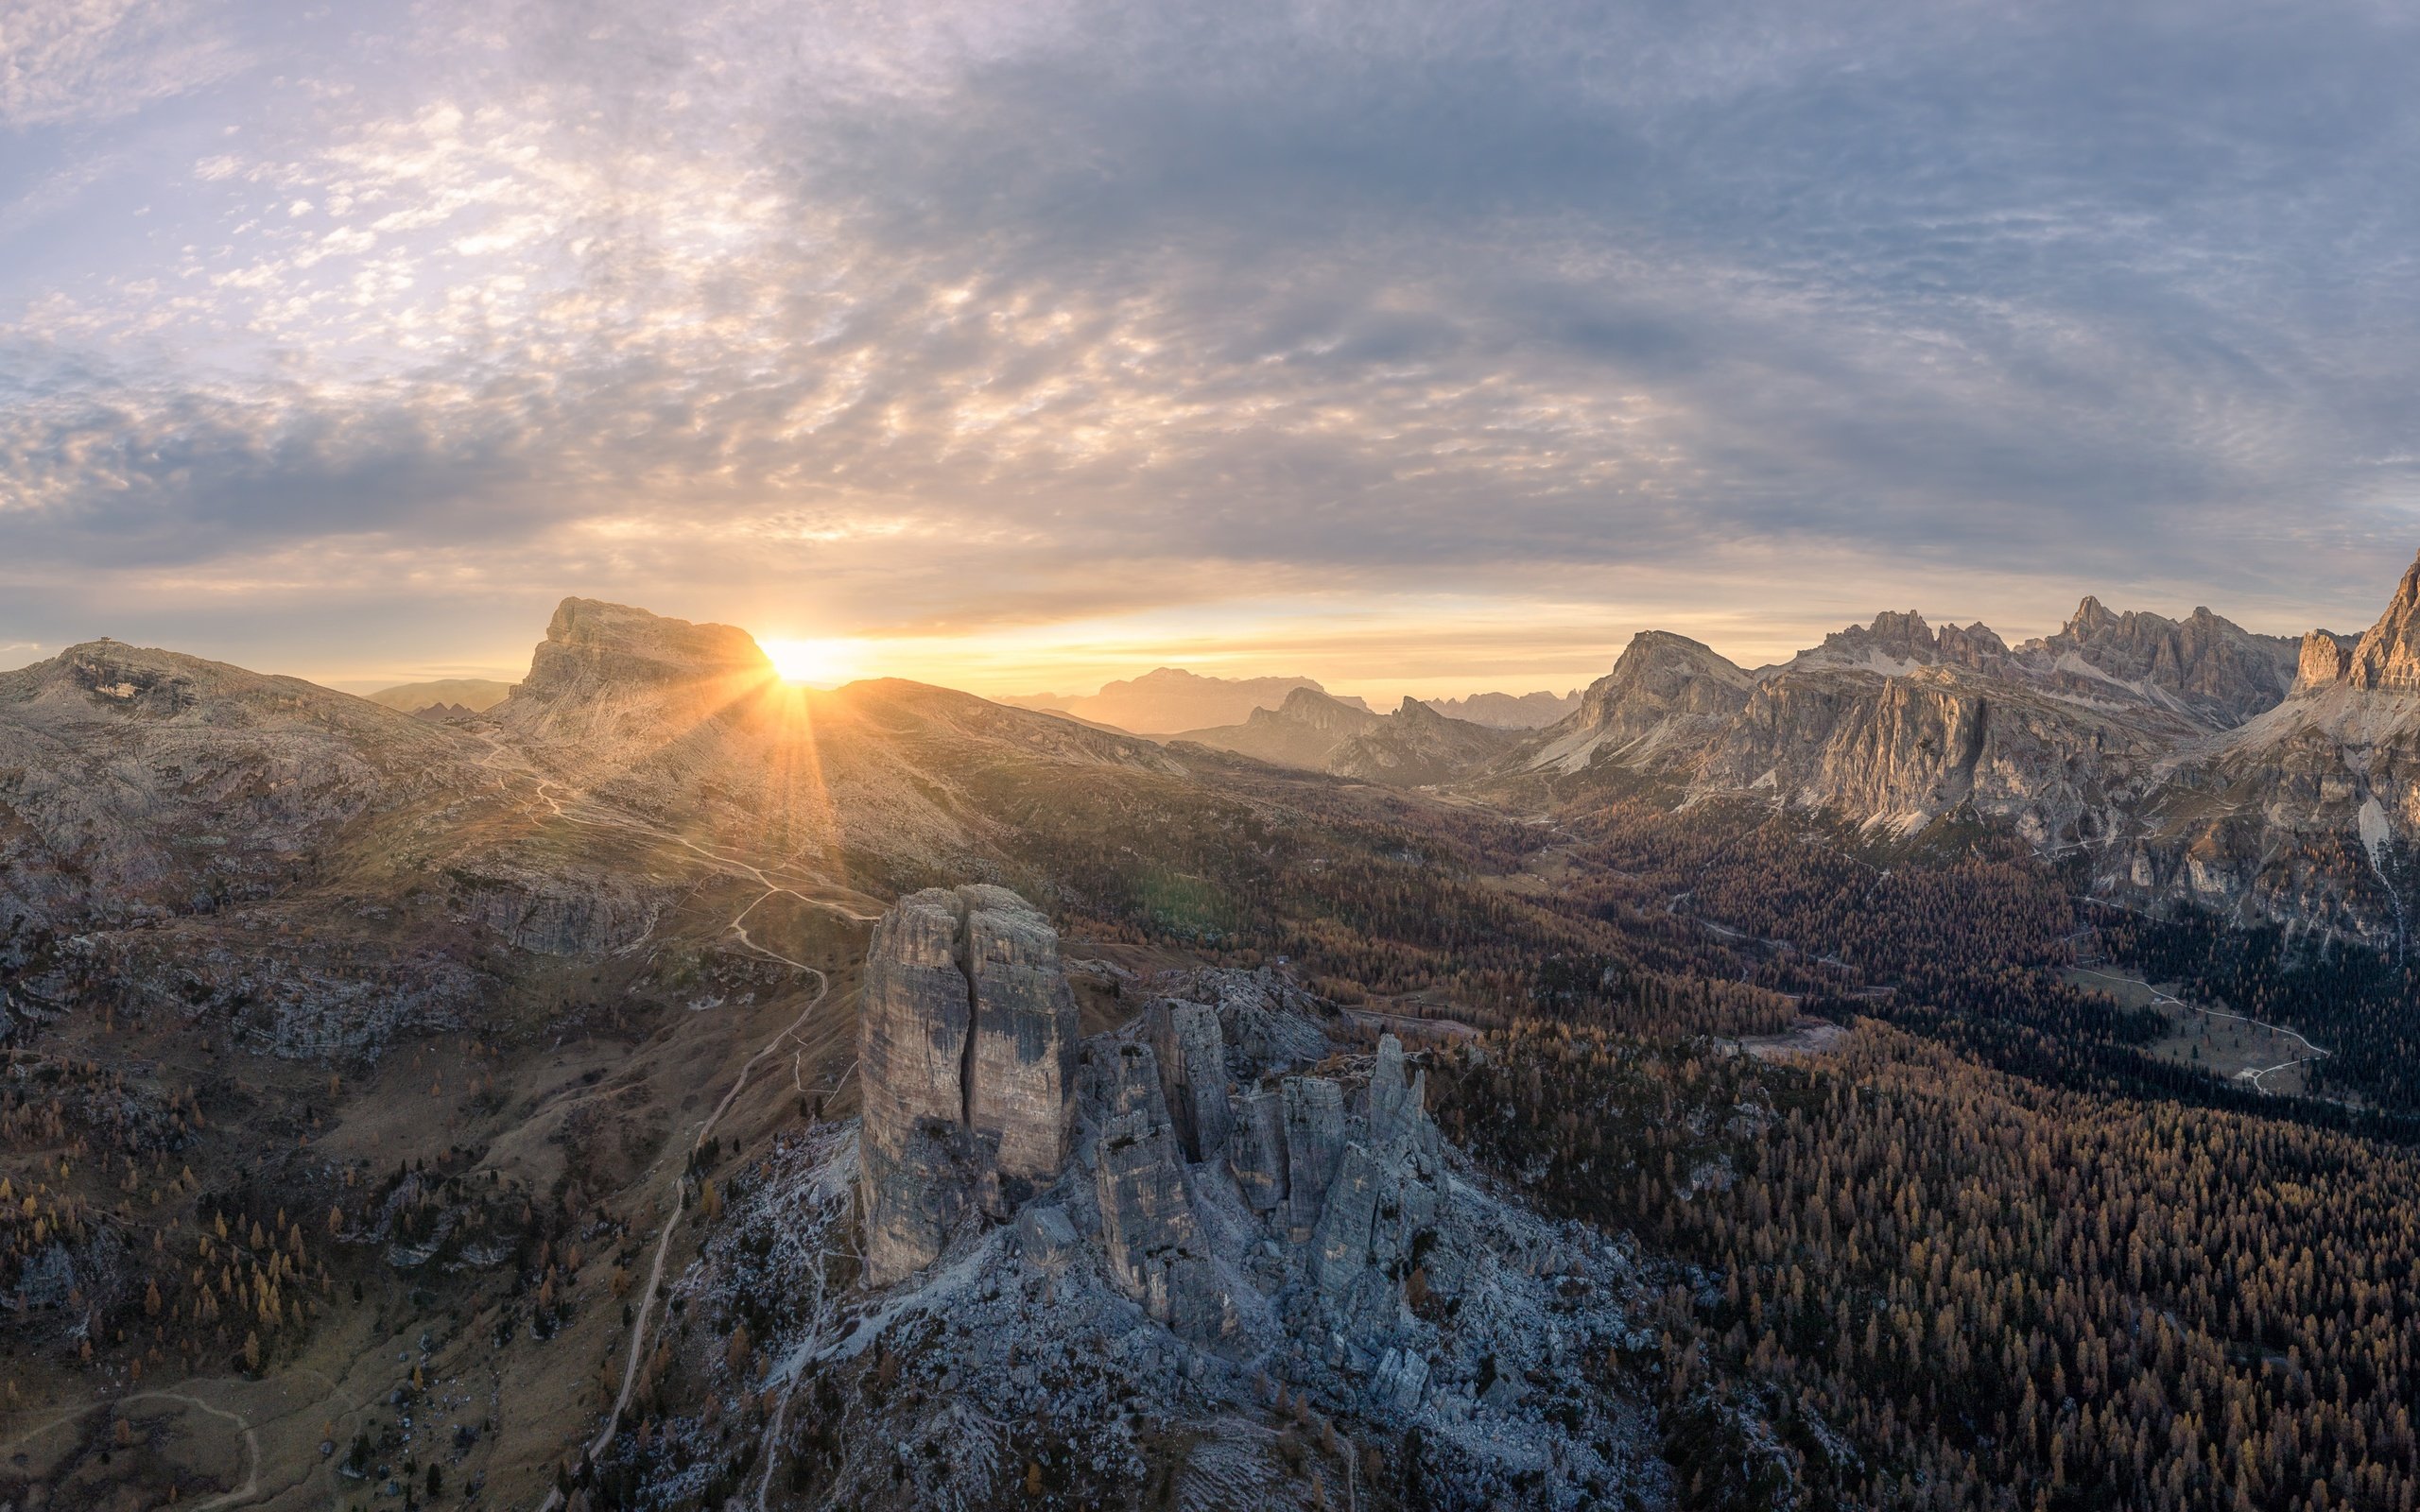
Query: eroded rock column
{"points": [[966, 1044]]}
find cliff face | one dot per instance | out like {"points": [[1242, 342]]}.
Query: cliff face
{"points": [[2208, 668], [2192, 761], [2386, 658], [2306, 814], [1228, 1219], [966, 1044]]}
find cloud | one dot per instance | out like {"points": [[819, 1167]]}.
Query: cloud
{"points": [[986, 314], [67, 61]]}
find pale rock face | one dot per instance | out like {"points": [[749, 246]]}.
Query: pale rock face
{"points": [[1904, 639], [966, 1049], [912, 1039], [2388, 656], [1665, 697], [2295, 816], [1025, 1042], [1256, 1153], [1193, 1074], [2325, 657], [1399, 1107], [1380, 1202], [1314, 1126], [1149, 1231]]}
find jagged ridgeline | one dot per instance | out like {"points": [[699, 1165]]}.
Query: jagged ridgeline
{"points": [[1222, 1250]]}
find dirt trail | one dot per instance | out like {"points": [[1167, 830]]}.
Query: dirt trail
{"points": [[639, 1327], [247, 1491], [587, 811], [2163, 999]]}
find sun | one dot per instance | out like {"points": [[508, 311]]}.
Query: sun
{"points": [[824, 664]]}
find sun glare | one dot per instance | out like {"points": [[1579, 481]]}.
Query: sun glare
{"points": [[824, 664]]}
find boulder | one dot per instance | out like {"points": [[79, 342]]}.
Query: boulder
{"points": [[1046, 1238]]}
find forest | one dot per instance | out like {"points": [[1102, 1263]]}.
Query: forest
{"points": [[1952, 1287]]}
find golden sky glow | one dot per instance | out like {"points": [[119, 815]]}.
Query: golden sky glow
{"points": [[1021, 346], [818, 663]]}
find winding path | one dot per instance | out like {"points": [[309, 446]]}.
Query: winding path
{"points": [[604, 1438], [2162, 999], [247, 1491]]}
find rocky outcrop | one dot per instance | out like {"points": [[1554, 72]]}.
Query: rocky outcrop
{"points": [[2207, 667], [1313, 1125], [914, 1034], [1145, 1286], [966, 1044], [2388, 656], [1193, 1073], [1399, 1102], [1021, 1102], [2325, 660], [1149, 1233], [2306, 814], [1256, 1150], [1899, 641], [595, 644], [1895, 724]]}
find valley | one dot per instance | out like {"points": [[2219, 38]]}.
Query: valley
{"points": [[470, 1110]]}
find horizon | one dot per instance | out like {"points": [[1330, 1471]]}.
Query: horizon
{"points": [[860, 662], [1431, 351]]}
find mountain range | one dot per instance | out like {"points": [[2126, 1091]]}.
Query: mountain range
{"points": [[1170, 698], [2185, 762], [476, 695], [515, 1005]]}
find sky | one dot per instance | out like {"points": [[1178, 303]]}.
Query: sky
{"points": [[1414, 345]]}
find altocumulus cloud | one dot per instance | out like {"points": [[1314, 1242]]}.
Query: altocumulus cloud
{"points": [[968, 313]]}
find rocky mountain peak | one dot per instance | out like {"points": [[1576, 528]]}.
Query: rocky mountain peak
{"points": [[1900, 639], [616, 641], [1665, 670], [1319, 710], [2388, 656], [1665, 690], [2204, 665], [608, 675]]}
